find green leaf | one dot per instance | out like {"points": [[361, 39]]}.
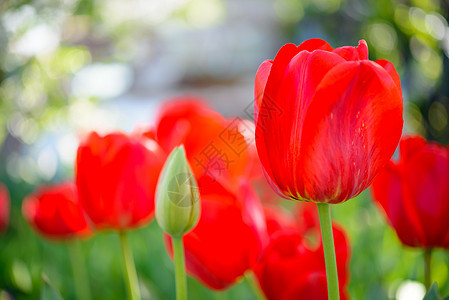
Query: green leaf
{"points": [[432, 294], [49, 292]]}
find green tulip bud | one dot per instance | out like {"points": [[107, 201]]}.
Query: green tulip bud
{"points": [[177, 198]]}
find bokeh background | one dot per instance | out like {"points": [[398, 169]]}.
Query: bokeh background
{"points": [[68, 67]]}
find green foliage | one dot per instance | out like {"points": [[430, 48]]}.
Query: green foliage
{"points": [[26, 256], [378, 261], [432, 294], [48, 290]]}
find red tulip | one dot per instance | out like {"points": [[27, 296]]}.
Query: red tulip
{"points": [[327, 120], [291, 266], [414, 193], [116, 177], [278, 221], [55, 212], [231, 232], [229, 237], [4, 208], [215, 147]]}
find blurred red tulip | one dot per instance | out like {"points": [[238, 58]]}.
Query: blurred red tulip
{"points": [[327, 120], [278, 221], [116, 177], [229, 237], [231, 233], [55, 212], [414, 193], [4, 208], [215, 147], [292, 266]]}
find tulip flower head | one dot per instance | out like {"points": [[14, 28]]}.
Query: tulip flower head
{"points": [[116, 175], [55, 212], [4, 208], [214, 146], [177, 198], [414, 193], [327, 120]]}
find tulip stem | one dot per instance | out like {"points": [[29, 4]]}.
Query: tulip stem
{"points": [[427, 267], [132, 283], [180, 269], [327, 237], [252, 281], [80, 279]]}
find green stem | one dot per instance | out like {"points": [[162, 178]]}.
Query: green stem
{"points": [[427, 267], [220, 295], [324, 212], [80, 278], [180, 270], [252, 282], [132, 284]]}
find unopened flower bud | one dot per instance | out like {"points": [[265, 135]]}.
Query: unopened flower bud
{"points": [[177, 198]]}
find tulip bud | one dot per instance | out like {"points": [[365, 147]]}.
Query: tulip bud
{"points": [[177, 205]]}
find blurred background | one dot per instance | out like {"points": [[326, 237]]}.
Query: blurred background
{"points": [[71, 66]]}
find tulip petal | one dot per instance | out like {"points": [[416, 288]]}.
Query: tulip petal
{"points": [[4, 207], [278, 128], [353, 53], [116, 178], [350, 131], [282, 61], [214, 146], [278, 68], [315, 44], [362, 48], [288, 269], [388, 193], [388, 66], [98, 161], [428, 196], [410, 146], [252, 213], [277, 220], [310, 286], [227, 240], [180, 118], [55, 213], [259, 87]]}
